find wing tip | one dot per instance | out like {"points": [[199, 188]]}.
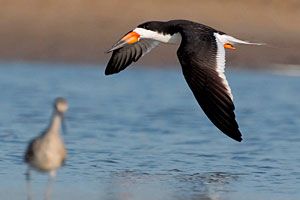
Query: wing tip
{"points": [[237, 136], [108, 51], [108, 72], [240, 139]]}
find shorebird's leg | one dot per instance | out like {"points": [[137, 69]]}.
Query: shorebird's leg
{"points": [[28, 183], [52, 174], [51, 179]]}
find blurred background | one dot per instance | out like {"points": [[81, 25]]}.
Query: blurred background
{"points": [[81, 30], [140, 134]]}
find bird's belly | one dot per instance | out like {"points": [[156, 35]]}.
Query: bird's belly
{"points": [[49, 159]]}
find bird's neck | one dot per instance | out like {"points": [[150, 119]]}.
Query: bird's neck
{"points": [[55, 124]]}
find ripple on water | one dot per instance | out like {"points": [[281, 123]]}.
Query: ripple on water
{"points": [[141, 135]]}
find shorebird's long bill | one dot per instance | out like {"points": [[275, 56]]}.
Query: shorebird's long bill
{"points": [[130, 38]]}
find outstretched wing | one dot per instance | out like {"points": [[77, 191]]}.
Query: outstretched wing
{"points": [[203, 63], [125, 55]]}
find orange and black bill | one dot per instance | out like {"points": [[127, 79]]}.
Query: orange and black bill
{"points": [[130, 38]]}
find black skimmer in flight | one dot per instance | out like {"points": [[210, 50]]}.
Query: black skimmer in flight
{"points": [[202, 56], [47, 152]]}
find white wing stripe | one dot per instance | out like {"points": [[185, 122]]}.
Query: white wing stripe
{"points": [[221, 63]]}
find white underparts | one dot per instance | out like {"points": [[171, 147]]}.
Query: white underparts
{"points": [[165, 38]]}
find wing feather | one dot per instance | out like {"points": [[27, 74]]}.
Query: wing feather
{"points": [[138, 53], [203, 69], [124, 56]]}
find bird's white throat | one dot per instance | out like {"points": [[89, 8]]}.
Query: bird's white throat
{"points": [[165, 38]]}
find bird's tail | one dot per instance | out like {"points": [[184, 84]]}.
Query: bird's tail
{"points": [[235, 40]]}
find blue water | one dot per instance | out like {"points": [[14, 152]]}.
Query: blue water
{"points": [[140, 135]]}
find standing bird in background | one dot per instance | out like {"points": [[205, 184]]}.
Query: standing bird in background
{"points": [[202, 56], [47, 152]]}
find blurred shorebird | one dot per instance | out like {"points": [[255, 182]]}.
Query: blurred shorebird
{"points": [[202, 56], [47, 152]]}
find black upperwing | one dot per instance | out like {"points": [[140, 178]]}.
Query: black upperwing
{"points": [[124, 56], [198, 58]]}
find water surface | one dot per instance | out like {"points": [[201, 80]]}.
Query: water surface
{"points": [[141, 135]]}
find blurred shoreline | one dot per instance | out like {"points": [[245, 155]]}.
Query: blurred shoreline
{"points": [[74, 31]]}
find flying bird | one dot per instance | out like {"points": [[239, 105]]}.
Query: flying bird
{"points": [[201, 54]]}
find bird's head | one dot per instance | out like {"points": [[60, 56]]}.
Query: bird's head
{"points": [[147, 30], [154, 30], [61, 105]]}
